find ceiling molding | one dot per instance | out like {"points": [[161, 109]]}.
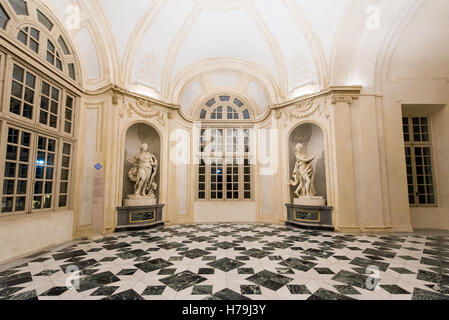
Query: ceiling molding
{"points": [[142, 27], [313, 40], [175, 46], [392, 39], [273, 46], [225, 65]]}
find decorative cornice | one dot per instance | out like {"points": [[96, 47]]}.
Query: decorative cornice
{"points": [[146, 110]]}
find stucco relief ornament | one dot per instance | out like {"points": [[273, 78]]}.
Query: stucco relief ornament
{"points": [[143, 174], [304, 110], [303, 179], [147, 110]]}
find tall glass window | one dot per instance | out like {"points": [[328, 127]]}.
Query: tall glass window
{"points": [[419, 161]]}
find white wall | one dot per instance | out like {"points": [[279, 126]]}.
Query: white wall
{"points": [[224, 211], [24, 235]]}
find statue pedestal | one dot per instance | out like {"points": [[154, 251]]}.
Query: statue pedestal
{"points": [[139, 217], [309, 201], [310, 217], [139, 202]]}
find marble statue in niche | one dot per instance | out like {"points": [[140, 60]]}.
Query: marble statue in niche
{"points": [[143, 174], [303, 176]]}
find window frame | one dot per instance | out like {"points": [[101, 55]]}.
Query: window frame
{"points": [[237, 156], [412, 144], [11, 120], [208, 111]]}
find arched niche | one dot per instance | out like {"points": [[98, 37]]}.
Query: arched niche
{"points": [[311, 137], [136, 135]]}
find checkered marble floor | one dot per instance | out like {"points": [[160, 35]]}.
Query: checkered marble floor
{"points": [[236, 262]]}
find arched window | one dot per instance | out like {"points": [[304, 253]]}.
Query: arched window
{"points": [[29, 36], [37, 131], [39, 36], [224, 151], [224, 107]]}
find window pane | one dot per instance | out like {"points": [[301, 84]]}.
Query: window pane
{"points": [[18, 73], [63, 45], [22, 37], [7, 204], [44, 20], [4, 18], [19, 6]]}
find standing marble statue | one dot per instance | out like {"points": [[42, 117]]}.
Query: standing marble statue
{"points": [[303, 176], [143, 174]]}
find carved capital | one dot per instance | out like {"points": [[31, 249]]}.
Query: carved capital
{"points": [[342, 99]]}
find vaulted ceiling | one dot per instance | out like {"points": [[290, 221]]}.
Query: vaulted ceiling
{"points": [[269, 51]]}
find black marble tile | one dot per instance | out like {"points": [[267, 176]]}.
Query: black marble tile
{"points": [[15, 279], [346, 290], [433, 277], [319, 253], [284, 271], [55, 292], [245, 271], [362, 262], [206, 271], [410, 258], [126, 295], [68, 255], [242, 258], [402, 271], [270, 280], [154, 291], [227, 295], [195, 253], [127, 272], [46, 273], [81, 265], [28, 295], [10, 291], [105, 291], [380, 253], [226, 264], [394, 289], [8, 272], [341, 258], [323, 294], [356, 280], [153, 265], [297, 264], [201, 290], [97, 280], [324, 270], [39, 260], [108, 259], [182, 280], [225, 245], [114, 246], [209, 258], [176, 258], [167, 272], [250, 289], [298, 289], [421, 294]]}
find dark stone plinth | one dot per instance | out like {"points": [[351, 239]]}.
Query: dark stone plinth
{"points": [[137, 218], [310, 217]]}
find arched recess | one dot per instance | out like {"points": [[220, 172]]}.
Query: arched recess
{"points": [[246, 69], [312, 137], [135, 136], [360, 52]]}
